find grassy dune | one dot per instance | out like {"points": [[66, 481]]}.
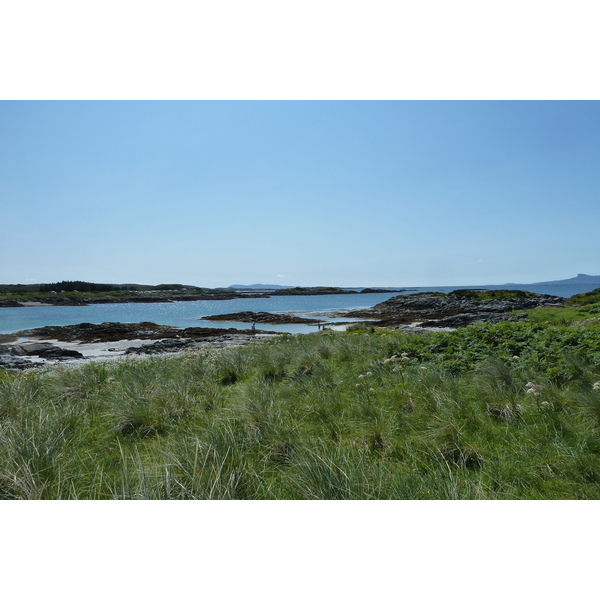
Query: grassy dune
{"points": [[507, 411]]}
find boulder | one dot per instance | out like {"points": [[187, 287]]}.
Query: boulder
{"points": [[43, 350]]}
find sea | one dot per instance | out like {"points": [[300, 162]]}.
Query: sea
{"points": [[188, 313]]}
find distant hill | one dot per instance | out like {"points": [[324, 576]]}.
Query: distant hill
{"points": [[260, 286], [581, 278]]}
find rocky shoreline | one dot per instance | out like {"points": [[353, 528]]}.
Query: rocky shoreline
{"points": [[410, 312], [87, 341], [455, 309]]}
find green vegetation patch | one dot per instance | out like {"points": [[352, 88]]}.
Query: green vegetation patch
{"points": [[581, 309], [592, 297], [506, 411]]}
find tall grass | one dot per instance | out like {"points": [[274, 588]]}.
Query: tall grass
{"points": [[322, 416]]}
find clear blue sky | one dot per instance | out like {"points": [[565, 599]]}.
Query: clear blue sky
{"points": [[391, 193]]}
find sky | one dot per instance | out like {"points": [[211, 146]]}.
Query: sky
{"points": [[348, 193]]}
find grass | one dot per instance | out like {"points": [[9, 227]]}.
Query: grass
{"points": [[581, 309], [358, 415]]}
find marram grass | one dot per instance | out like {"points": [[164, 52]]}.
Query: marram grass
{"points": [[506, 411]]}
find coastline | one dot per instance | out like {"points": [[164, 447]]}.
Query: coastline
{"points": [[86, 299], [411, 313], [30, 352]]}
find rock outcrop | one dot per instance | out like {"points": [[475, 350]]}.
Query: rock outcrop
{"points": [[456, 309], [43, 350], [103, 332], [18, 356], [112, 332], [262, 317]]}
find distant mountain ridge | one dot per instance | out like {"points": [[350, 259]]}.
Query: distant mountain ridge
{"points": [[259, 286], [581, 278]]}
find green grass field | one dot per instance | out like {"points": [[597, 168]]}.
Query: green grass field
{"points": [[506, 411]]}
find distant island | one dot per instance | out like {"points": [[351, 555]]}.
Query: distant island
{"points": [[259, 286], [581, 278], [80, 293]]}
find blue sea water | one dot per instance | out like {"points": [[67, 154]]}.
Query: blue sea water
{"points": [[186, 314]]}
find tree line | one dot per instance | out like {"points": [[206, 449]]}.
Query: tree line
{"points": [[81, 286]]}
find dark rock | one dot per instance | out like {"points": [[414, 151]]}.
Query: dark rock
{"points": [[113, 332], [60, 353], [15, 363], [161, 347], [261, 317], [10, 304], [30, 349], [104, 332], [43, 350]]}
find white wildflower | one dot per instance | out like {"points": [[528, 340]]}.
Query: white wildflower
{"points": [[534, 390]]}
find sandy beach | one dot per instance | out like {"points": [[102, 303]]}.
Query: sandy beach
{"points": [[105, 351]]}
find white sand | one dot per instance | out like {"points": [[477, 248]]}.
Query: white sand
{"points": [[97, 351]]}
